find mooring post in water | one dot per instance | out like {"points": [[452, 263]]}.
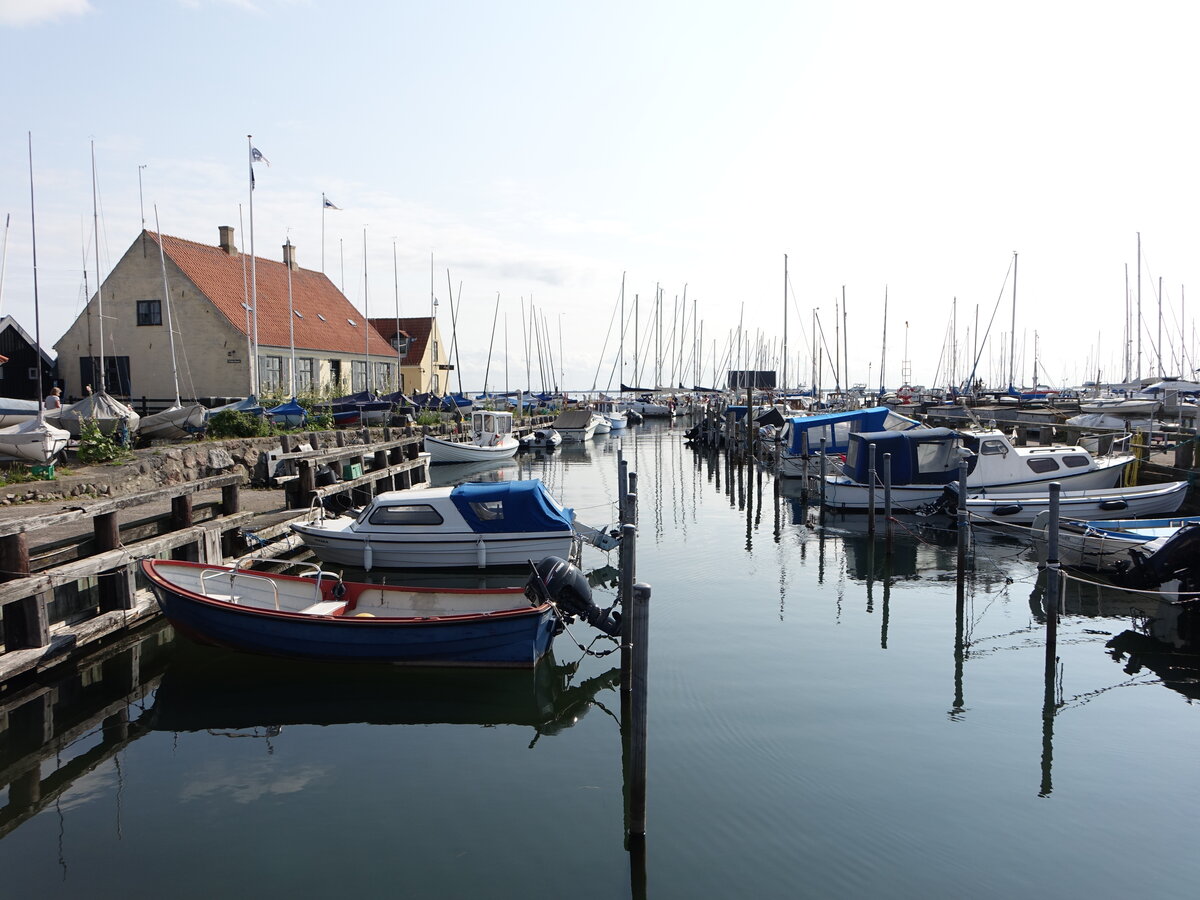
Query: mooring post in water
{"points": [[821, 475], [628, 563], [1052, 577], [871, 490], [631, 504], [639, 613], [888, 525], [962, 527], [26, 625], [622, 486]]}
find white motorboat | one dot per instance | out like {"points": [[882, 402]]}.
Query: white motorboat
{"points": [[1101, 544], [577, 425], [924, 460], [491, 438], [1086, 505], [1123, 407], [478, 524], [603, 425], [35, 441], [545, 438]]}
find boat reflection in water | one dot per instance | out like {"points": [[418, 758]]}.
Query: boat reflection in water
{"points": [[205, 689], [1167, 643]]}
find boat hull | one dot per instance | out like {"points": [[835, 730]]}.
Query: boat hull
{"points": [[333, 542], [509, 637], [1017, 509], [442, 451]]}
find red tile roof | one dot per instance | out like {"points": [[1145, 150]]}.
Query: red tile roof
{"points": [[219, 277], [417, 329]]}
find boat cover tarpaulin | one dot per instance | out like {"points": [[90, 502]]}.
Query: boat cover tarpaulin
{"points": [[573, 418], [836, 428], [920, 456], [502, 506]]}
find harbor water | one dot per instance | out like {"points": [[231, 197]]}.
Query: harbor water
{"points": [[825, 720]]}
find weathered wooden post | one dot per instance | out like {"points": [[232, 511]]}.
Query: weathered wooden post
{"points": [[628, 563], [114, 588], [631, 505], [821, 476], [622, 486], [181, 517], [962, 528], [1053, 573], [871, 489], [889, 524], [640, 616], [25, 622]]}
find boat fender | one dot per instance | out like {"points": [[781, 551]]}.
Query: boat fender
{"points": [[1114, 504], [1006, 509], [480, 554], [368, 555]]}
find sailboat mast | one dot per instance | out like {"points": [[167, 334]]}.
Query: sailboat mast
{"points": [[621, 354], [253, 271], [99, 285], [883, 352], [162, 261], [366, 319], [1012, 344], [1138, 317], [291, 321], [399, 343], [4, 258], [37, 315], [784, 380]]}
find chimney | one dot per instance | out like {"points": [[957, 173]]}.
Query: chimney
{"points": [[289, 256], [226, 240]]}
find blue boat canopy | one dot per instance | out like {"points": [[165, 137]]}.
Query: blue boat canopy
{"points": [[498, 506], [805, 432], [919, 456]]}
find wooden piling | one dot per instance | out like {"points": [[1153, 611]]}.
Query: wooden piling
{"points": [[1053, 573], [639, 614], [889, 523], [628, 564], [871, 489], [962, 530], [25, 623]]}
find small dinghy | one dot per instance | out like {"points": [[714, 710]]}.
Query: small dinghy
{"points": [[324, 617]]}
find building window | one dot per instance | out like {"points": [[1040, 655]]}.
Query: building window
{"points": [[383, 377], [149, 312], [434, 383], [270, 374], [358, 375], [435, 356], [304, 375], [400, 343]]}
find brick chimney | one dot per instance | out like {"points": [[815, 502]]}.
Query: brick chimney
{"points": [[226, 239], [289, 256]]}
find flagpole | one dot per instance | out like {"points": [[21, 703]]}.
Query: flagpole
{"points": [[366, 321], [322, 232], [246, 306], [399, 355], [253, 265]]}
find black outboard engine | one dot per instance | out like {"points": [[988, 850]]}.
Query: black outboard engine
{"points": [[1178, 557], [554, 580]]}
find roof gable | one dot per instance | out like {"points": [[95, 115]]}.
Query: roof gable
{"points": [[417, 328], [322, 316]]}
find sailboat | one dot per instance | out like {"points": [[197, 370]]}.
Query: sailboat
{"points": [[177, 421], [35, 441], [106, 412]]}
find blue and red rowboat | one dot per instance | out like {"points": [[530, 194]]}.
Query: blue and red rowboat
{"points": [[323, 617]]}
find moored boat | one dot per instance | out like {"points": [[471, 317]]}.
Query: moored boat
{"points": [[1098, 503], [491, 437], [477, 524], [1103, 543]]}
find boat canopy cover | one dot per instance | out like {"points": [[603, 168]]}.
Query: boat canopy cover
{"points": [[573, 418], [490, 507], [805, 432], [919, 456]]}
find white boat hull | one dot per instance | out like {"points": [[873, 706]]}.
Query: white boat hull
{"points": [[443, 451], [33, 442], [333, 542], [1020, 509], [842, 493]]}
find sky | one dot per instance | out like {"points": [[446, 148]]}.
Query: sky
{"points": [[535, 155]]}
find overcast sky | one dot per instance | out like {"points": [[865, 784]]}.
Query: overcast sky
{"points": [[539, 150]]}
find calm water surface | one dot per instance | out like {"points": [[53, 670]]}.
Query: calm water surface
{"points": [[817, 729]]}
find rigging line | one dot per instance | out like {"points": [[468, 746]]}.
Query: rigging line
{"points": [[604, 349], [983, 341]]}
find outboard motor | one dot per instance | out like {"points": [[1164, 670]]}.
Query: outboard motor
{"points": [[1176, 558], [554, 580]]}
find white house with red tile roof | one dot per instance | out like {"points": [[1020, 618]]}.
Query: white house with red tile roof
{"points": [[336, 348]]}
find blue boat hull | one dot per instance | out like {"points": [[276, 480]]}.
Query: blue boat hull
{"points": [[509, 640]]}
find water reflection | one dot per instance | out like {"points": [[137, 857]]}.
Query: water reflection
{"points": [[1167, 643], [484, 470], [205, 689]]}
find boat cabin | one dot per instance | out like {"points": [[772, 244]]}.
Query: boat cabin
{"points": [[919, 456], [486, 424], [804, 433], [490, 507]]}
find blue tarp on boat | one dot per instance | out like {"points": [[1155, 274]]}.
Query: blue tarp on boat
{"points": [[805, 432], [919, 456], [290, 414], [498, 506]]}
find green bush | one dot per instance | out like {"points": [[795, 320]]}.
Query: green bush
{"points": [[97, 447], [426, 417], [232, 423]]}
